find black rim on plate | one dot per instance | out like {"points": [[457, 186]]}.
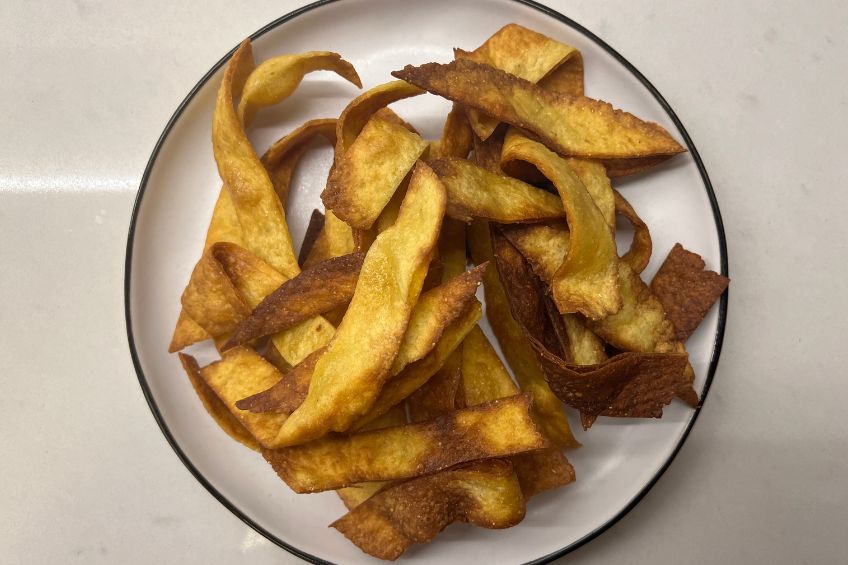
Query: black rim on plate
{"points": [[722, 311]]}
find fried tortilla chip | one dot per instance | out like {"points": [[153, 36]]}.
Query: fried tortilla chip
{"points": [[355, 495], [346, 383], [276, 79], [314, 291], [367, 175], [335, 240], [574, 126], [186, 333], [686, 289], [474, 192], [456, 140], [438, 395], [242, 372], [487, 153], [531, 56], [254, 280], [633, 385], [543, 245], [356, 114], [547, 410], [415, 375], [639, 254], [586, 281], [432, 317], [485, 494], [491, 430], [214, 406], [583, 347], [211, 300], [594, 177], [283, 156], [617, 168], [313, 230]]}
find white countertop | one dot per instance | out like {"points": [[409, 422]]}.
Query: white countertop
{"points": [[87, 477]]}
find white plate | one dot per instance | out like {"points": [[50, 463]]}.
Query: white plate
{"points": [[620, 459]]}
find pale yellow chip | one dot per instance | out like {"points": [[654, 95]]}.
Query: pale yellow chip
{"points": [[587, 279], [335, 240], [368, 174], [474, 192], [346, 383], [594, 177], [276, 79]]}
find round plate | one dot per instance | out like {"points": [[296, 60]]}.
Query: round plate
{"points": [[620, 460]]}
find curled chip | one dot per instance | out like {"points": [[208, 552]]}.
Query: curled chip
{"points": [[474, 192], [366, 176], [335, 240], [586, 281], [491, 430], [574, 126], [242, 372], [346, 383], [547, 409], [639, 254], [314, 291], [276, 79], [282, 157], [543, 245], [439, 394], [356, 114], [215, 406], [487, 153], [439, 313], [583, 347], [632, 385], [186, 333], [531, 56], [686, 290], [485, 494], [594, 177], [259, 210], [210, 299]]}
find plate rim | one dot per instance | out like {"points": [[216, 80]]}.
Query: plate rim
{"points": [[717, 343]]}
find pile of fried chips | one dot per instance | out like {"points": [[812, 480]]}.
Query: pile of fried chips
{"points": [[359, 365]]}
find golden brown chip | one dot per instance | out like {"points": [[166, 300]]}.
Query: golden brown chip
{"points": [[346, 383], [543, 245], [276, 79], [257, 205], [314, 291], [214, 406], [438, 395], [474, 192], [354, 117], [586, 280], [686, 289], [547, 409], [224, 225], [415, 375], [283, 156], [574, 126], [442, 310], [639, 254], [583, 347], [456, 140], [254, 280], [313, 230], [531, 56], [485, 494], [364, 179], [242, 372], [335, 240], [484, 378], [491, 430], [594, 177], [487, 153], [211, 300], [617, 168], [186, 333]]}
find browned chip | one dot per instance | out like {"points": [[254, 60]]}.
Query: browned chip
{"points": [[313, 230], [686, 289], [186, 333], [211, 300], [491, 430], [456, 135], [438, 395], [314, 291], [335, 240], [639, 254], [572, 125], [487, 153], [288, 393], [214, 406], [485, 494], [540, 471]]}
